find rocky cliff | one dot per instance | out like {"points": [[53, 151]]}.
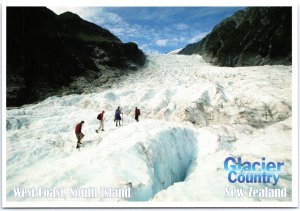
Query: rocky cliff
{"points": [[48, 52], [254, 36]]}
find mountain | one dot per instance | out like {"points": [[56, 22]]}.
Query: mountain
{"points": [[48, 53], [254, 36]]}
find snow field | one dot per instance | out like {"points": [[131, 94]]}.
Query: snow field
{"points": [[193, 116], [160, 155]]}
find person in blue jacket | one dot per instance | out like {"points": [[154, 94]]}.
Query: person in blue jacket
{"points": [[118, 117]]}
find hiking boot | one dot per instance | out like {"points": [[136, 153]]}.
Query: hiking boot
{"points": [[96, 131], [102, 130]]}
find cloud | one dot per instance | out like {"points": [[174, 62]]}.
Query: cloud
{"points": [[84, 12], [153, 14], [147, 49], [106, 19], [97, 15], [117, 30], [160, 28], [178, 40], [181, 26], [197, 37], [163, 42]]}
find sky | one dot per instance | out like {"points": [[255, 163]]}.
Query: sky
{"points": [[155, 29]]}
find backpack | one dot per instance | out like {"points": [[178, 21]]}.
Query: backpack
{"points": [[99, 116], [138, 112]]}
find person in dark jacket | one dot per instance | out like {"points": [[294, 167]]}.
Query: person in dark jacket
{"points": [[118, 116], [78, 133], [137, 113]]}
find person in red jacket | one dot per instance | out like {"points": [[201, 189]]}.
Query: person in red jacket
{"points": [[100, 117], [78, 133]]}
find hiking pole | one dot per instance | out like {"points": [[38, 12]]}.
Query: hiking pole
{"points": [[122, 119], [114, 119]]}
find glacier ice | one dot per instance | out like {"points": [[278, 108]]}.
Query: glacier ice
{"points": [[194, 115]]}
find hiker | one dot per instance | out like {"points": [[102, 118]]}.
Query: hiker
{"points": [[137, 113], [118, 116], [100, 117], [78, 133]]}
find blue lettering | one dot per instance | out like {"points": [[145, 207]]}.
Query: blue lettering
{"points": [[246, 166], [255, 164], [279, 164], [239, 163], [229, 176], [270, 166], [256, 172], [233, 167], [241, 178]]}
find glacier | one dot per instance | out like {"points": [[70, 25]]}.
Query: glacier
{"points": [[193, 116]]}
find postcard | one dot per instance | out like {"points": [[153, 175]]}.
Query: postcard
{"points": [[149, 105]]}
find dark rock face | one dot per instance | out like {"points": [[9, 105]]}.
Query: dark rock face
{"points": [[46, 51], [254, 36]]}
